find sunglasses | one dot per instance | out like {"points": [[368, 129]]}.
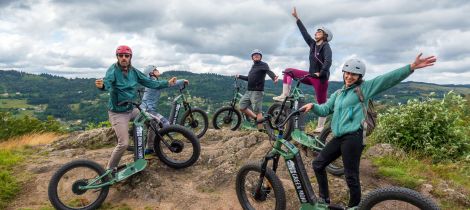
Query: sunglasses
{"points": [[124, 55]]}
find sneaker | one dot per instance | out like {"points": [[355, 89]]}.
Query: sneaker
{"points": [[324, 200], [279, 98], [149, 152], [318, 130]]}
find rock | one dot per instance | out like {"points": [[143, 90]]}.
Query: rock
{"points": [[379, 150], [426, 189], [453, 194], [91, 139], [39, 169], [68, 153]]}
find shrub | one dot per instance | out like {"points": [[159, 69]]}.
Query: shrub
{"points": [[11, 126], [437, 128], [104, 124]]}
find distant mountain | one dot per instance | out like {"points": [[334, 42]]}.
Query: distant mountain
{"points": [[78, 101]]}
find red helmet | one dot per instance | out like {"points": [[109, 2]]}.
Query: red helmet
{"points": [[123, 49]]}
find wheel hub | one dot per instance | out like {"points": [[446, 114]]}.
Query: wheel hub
{"points": [[194, 124], [177, 146], [76, 186], [260, 195], [227, 119]]}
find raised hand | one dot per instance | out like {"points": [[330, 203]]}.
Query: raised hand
{"points": [[294, 13], [423, 62], [99, 83], [172, 81]]}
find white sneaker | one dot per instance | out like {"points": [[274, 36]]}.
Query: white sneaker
{"points": [[279, 98], [318, 130], [321, 124]]}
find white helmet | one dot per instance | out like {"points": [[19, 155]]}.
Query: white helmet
{"points": [[355, 66], [149, 69], [327, 32], [256, 51]]}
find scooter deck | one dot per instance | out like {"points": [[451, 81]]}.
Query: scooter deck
{"points": [[304, 139], [131, 169]]}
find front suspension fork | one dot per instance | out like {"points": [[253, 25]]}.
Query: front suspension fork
{"points": [[259, 187]]}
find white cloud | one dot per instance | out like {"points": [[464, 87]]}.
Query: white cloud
{"points": [[78, 38]]}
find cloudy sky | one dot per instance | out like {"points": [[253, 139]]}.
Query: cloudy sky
{"points": [[78, 38]]}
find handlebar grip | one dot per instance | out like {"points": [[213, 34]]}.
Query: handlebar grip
{"points": [[123, 103]]}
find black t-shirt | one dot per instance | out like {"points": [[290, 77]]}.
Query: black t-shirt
{"points": [[256, 76]]}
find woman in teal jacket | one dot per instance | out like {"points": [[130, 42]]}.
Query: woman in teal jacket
{"points": [[347, 121]]}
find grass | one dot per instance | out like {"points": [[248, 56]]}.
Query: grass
{"points": [[23, 113], [400, 171], [411, 172], [29, 140], [14, 103], [75, 107], [12, 154], [9, 186]]}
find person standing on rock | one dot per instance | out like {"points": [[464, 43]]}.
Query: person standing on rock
{"points": [[121, 82], [150, 103], [255, 91], [320, 57], [348, 118]]}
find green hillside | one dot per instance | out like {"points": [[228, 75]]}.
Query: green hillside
{"points": [[78, 102]]}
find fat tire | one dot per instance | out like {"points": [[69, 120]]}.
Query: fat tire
{"points": [[397, 193], [238, 115], [52, 189], [276, 184], [188, 135]]}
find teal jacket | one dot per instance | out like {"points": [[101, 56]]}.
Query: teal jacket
{"points": [[346, 107], [124, 87]]}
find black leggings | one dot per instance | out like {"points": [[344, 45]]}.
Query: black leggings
{"points": [[349, 147]]}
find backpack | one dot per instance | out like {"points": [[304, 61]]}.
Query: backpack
{"points": [[370, 115]]}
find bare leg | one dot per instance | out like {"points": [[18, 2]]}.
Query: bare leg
{"points": [[249, 113], [259, 117]]}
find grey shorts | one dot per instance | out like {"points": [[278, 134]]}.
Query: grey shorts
{"points": [[253, 98]]}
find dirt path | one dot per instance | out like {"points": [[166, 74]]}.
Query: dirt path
{"points": [[209, 184]]}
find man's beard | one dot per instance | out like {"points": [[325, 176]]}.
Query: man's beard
{"points": [[125, 64]]}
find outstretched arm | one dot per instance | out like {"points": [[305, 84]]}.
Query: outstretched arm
{"points": [[308, 39], [242, 77], [271, 74], [154, 84], [322, 110], [383, 82]]}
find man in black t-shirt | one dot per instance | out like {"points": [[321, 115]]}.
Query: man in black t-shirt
{"points": [[255, 91]]}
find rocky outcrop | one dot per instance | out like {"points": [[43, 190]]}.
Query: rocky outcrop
{"points": [[92, 139]]}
